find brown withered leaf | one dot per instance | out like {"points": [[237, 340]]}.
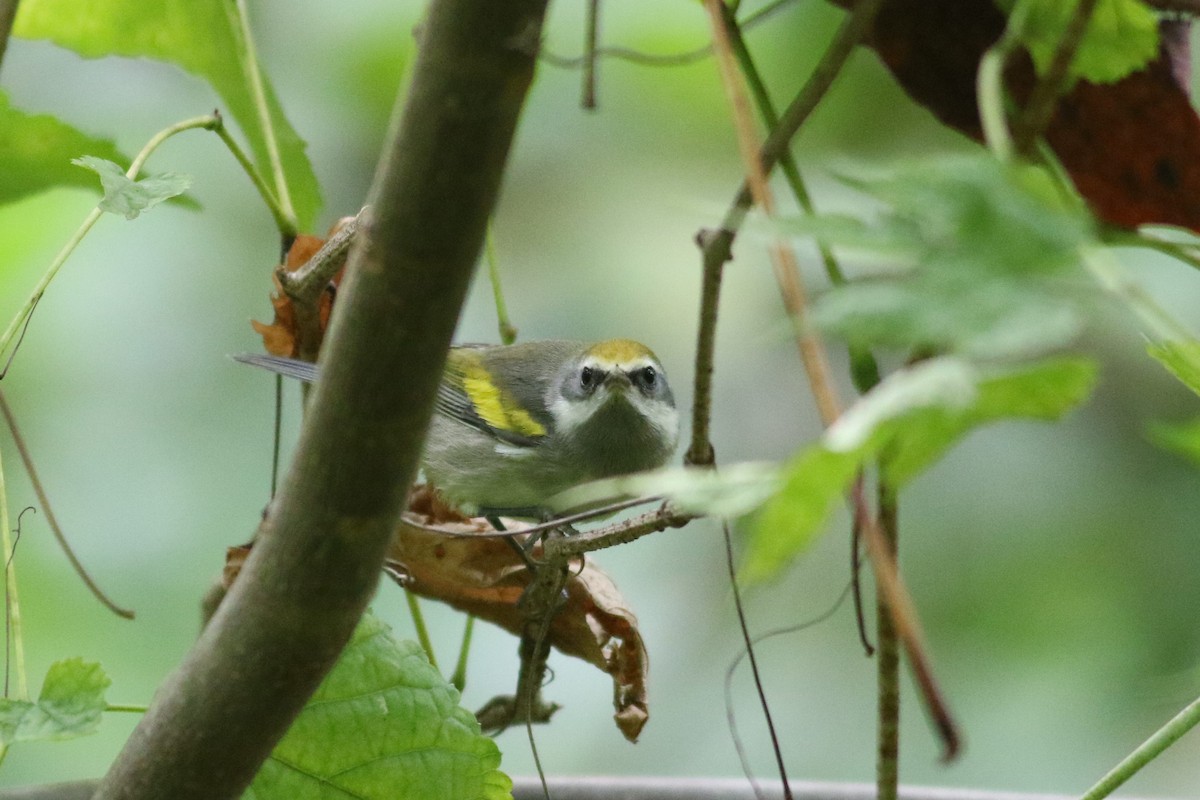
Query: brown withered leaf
{"points": [[484, 577], [1131, 147], [282, 336]]}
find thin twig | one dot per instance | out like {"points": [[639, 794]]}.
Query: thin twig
{"points": [[11, 420], [730, 713], [644, 59], [1044, 98], [908, 628], [557, 522], [783, 258], [887, 758], [308, 282], [759, 689], [591, 35]]}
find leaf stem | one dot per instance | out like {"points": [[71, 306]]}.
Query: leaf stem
{"points": [[459, 678], [1150, 749], [126, 708], [508, 333], [248, 57], [418, 619], [989, 86], [285, 222], [863, 366], [209, 121], [1042, 102], [12, 602]]}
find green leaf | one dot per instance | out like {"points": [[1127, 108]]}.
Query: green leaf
{"points": [[812, 482], [36, 151], [201, 36], [907, 422], [1042, 391], [1181, 438], [70, 705], [383, 725], [1121, 37], [1182, 359], [726, 492], [129, 197], [990, 259]]}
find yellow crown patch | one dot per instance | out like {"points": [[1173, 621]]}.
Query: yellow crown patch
{"points": [[621, 351]]}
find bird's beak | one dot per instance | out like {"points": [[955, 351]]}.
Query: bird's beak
{"points": [[617, 380]]}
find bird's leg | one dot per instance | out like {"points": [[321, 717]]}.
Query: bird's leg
{"points": [[494, 521]]}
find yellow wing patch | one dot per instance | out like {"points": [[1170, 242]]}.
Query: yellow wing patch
{"points": [[496, 407], [621, 351]]}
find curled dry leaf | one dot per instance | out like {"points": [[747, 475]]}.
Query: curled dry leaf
{"points": [[485, 577], [283, 336]]}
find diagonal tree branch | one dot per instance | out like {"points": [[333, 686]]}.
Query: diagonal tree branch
{"points": [[8, 13], [320, 552]]}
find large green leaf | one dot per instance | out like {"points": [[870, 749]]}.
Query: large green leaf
{"points": [[1121, 37], [984, 261], [907, 423], [201, 36], [36, 151], [70, 705], [383, 725]]}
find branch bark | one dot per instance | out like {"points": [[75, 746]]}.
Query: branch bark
{"points": [[8, 13], [320, 552]]}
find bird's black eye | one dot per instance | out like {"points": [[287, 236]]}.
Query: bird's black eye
{"points": [[589, 377], [646, 378]]}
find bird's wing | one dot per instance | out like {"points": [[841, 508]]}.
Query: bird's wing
{"points": [[469, 394]]}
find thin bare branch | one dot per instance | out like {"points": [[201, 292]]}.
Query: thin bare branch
{"points": [[19, 440]]}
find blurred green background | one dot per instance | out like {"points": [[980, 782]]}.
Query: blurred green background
{"points": [[1056, 568]]}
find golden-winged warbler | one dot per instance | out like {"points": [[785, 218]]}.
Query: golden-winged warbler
{"points": [[516, 424]]}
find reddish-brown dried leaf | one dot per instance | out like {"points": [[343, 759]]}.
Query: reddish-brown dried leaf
{"points": [[484, 577], [1132, 147], [281, 337]]}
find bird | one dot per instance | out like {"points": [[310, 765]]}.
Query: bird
{"points": [[516, 424]]}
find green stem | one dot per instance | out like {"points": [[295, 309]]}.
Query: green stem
{"points": [[508, 333], [10, 587], [888, 665], [126, 709], [1109, 274], [459, 678], [1150, 749], [253, 75], [989, 87], [863, 366], [283, 221], [414, 610], [209, 121]]}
